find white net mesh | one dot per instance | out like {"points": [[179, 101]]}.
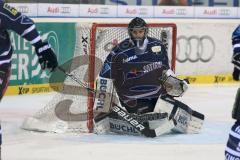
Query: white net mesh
{"points": [[56, 116], [67, 111]]}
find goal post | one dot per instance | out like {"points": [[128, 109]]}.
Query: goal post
{"points": [[99, 39]]}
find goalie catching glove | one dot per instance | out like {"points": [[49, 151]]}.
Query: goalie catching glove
{"points": [[174, 86]]}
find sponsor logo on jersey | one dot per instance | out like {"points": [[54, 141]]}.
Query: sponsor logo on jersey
{"points": [[152, 66], [12, 10], [102, 94], [133, 73], [231, 157], [156, 49], [130, 59]]}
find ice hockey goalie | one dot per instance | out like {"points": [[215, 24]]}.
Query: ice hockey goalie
{"points": [[136, 79]]}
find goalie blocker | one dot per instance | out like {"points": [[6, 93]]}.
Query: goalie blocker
{"points": [[171, 114], [104, 95]]}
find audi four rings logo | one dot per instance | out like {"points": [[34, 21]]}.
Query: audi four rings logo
{"points": [[65, 10], [23, 9], [224, 12], [181, 12], [195, 48]]}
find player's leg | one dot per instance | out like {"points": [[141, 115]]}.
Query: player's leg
{"points": [[236, 106], [140, 106], [5, 70], [185, 119], [232, 150]]}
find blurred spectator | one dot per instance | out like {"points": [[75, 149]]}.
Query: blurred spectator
{"points": [[173, 3], [84, 2], [59, 1]]}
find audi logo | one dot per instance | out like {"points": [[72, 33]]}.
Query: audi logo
{"points": [[65, 10], [23, 9], [181, 12], [195, 48], [224, 12]]}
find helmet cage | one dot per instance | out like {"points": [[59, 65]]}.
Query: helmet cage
{"points": [[137, 23]]}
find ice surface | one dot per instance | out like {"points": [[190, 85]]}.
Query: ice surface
{"points": [[214, 101]]}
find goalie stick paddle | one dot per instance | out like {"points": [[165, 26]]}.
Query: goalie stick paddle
{"points": [[142, 128]]}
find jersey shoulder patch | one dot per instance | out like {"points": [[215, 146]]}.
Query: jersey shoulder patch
{"points": [[124, 45], [105, 69]]}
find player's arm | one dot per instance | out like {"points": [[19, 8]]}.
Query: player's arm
{"points": [[107, 67], [13, 20], [236, 53]]}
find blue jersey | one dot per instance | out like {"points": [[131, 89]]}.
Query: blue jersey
{"points": [[11, 19], [236, 40], [136, 72], [232, 150]]}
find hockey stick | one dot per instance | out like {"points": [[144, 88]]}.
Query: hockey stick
{"points": [[82, 84]]}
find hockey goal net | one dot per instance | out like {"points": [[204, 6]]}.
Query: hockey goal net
{"points": [[71, 110]]}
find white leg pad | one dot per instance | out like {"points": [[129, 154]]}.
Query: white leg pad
{"points": [[186, 120], [102, 127]]}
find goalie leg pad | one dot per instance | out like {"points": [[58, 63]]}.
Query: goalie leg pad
{"points": [[102, 126], [161, 126], [185, 119], [188, 122], [236, 106]]}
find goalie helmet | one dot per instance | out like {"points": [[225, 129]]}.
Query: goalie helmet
{"points": [[137, 24]]}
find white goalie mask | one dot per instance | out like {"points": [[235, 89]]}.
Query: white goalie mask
{"points": [[138, 30]]}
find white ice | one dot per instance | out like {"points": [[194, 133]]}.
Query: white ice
{"points": [[214, 101]]}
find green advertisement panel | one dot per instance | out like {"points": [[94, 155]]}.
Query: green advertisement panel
{"points": [[25, 67]]}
